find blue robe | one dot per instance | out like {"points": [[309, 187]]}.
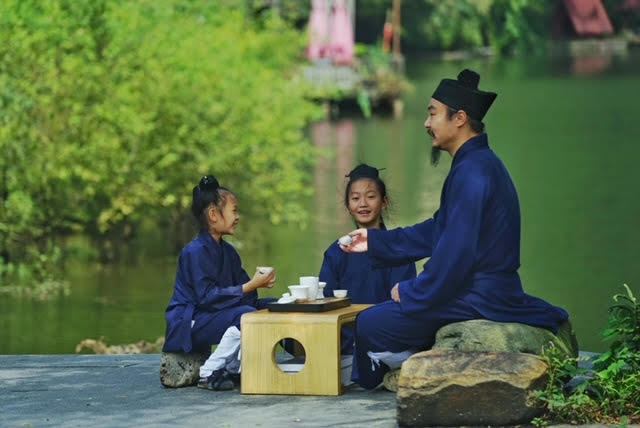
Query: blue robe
{"points": [[354, 272], [473, 242], [208, 291]]}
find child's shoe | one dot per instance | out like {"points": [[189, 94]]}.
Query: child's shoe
{"points": [[219, 380]]}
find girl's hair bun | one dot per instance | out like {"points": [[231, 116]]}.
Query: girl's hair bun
{"points": [[208, 182], [364, 171]]}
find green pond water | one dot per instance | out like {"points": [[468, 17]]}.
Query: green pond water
{"points": [[567, 129]]}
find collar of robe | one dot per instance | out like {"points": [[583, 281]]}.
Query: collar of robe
{"points": [[480, 141], [209, 238]]}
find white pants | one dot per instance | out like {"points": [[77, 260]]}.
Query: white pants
{"points": [[226, 355], [392, 359]]}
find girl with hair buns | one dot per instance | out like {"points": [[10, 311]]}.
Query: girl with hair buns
{"points": [[365, 198], [212, 289]]}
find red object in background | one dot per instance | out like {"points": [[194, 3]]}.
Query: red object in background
{"points": [[387, 35], [589, 18]]}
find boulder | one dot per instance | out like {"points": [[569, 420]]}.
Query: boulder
{"points": [[179, 369], [455, 388], [490, 336]]}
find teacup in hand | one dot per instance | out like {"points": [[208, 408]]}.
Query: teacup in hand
{"points": [[265, 273], [264, 270]]}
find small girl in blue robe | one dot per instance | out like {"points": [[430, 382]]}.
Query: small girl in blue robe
{"points": [[365, 198], [212, 290]]}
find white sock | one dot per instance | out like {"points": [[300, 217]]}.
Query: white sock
{"points": [[228, 350]]}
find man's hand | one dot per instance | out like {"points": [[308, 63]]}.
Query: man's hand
{"points": [[395, 293], [359, 243]]}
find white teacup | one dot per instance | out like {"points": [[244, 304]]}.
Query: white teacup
{"points": [[264, 270], [300, 292], [312, 283], [340, 293]]}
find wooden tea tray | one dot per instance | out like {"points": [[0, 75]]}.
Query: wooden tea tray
{"points": [[320, 305]]}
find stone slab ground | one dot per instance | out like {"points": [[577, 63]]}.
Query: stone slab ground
{"points": [[125, 390]]}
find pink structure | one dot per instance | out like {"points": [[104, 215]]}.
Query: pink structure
{"points": [[318, 31], [331, 37], [342, 40], [589, 18]]}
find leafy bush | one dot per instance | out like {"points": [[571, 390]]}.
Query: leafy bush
{"points": [[610, 392], [505, 25], [112, 110]]}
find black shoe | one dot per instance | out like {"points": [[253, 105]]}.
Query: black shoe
{"points": [[235, 377], [219, 380]]}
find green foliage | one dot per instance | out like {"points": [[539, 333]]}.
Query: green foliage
{"points": [[112, 110], [372, 79], [611, 393], [379, 74], [623, 18], [505, 25]]}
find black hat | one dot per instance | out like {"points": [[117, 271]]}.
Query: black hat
{"points": [[364, 171], [463, 94]]}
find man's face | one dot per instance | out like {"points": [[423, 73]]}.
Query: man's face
{"points": [[439, 127]]}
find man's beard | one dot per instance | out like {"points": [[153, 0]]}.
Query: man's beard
{"points": [[435, 155]]}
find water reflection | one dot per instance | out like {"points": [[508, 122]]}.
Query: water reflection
{"points": [[590, 65], [338, 141]]}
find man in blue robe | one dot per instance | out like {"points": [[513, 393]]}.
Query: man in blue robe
{"points": [[473, 242]]}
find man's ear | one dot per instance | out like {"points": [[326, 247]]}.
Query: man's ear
{"points": [[385, 203], [461, 118]]}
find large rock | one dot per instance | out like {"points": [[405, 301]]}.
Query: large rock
{"points": [[181, 369], [454, 388], [490, 336]]}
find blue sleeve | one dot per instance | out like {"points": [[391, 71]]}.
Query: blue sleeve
{"points": [[400, 246], [330, 271], [202, 271], [454, 254], [241, 277]]}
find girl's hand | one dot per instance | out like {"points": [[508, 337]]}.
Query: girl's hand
{"points": [[260, 280], [395, 293], [359, 242], [264, 279]]}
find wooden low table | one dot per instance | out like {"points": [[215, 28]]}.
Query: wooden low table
{"points": [[317, 332]]}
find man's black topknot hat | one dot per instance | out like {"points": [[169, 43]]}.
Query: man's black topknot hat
{"points": [[463, 94]]}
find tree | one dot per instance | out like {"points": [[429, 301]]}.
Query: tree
{"points": [[113, 110]]}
